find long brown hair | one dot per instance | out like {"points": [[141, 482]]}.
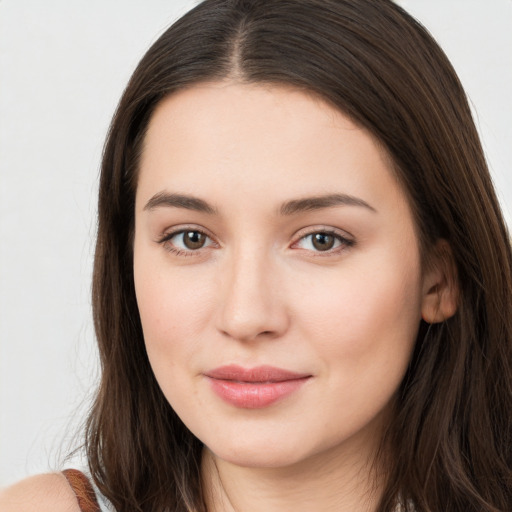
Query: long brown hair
{"points": [[450, 440]]}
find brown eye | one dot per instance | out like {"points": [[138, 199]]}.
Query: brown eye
{"points": [[186, 241], [328, 242], [322, 241], [194, 239]]}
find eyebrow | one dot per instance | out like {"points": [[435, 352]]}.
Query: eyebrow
{"points": [[292, 207], [179, 201], [319, 202]]}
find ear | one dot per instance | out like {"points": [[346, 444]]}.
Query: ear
{"points": [[440, 288]]}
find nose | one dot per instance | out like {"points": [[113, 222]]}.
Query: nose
{"points": [[251, 304]]}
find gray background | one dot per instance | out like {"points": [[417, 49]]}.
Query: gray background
{"points": [[63, 66]]}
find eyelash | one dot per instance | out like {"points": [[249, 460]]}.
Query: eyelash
{"points": [[166, 238], [345, 243]]}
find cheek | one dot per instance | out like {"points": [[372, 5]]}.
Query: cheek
{"points": [[365, 316], [173, 312], [174, 308]]}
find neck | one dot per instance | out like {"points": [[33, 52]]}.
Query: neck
{"points": [[325, 482]]}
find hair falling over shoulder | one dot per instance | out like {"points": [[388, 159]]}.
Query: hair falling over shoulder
{"points": [[448, 446]]}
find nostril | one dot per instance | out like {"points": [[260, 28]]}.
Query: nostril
{"points": [[247, 335]]}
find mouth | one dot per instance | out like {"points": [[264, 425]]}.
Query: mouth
{"points": [[254, 388]]}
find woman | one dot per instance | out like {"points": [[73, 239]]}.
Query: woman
{"points": [[303, 282]]}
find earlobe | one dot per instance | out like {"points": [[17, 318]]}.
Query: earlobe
{"points": [[440, 285]]}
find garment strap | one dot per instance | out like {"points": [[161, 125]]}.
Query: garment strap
{"points": [[83, 490]]}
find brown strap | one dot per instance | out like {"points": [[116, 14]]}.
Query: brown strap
{"points": [[83, 490]]}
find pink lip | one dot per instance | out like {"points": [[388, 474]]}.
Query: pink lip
{"points": [[254, 388]]}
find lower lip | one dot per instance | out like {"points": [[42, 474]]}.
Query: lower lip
{"points": [[254, 395]]}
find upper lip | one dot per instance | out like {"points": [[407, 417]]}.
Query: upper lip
{"points": [[260, 374]]}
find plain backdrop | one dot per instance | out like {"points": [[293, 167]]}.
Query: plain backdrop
{"points": [[63, 66]]}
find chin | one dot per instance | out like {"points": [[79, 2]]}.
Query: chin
{"points": [[262, 457], [258, 452]]}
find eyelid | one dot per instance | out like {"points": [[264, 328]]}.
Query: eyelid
{"points": [[347, 240], [169, 233]]}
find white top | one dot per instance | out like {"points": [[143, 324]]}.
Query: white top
{"points": [[105, 505]]}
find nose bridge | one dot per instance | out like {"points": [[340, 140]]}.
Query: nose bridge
{"points": [[251, 304]]}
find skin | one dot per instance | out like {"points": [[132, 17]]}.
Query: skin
{"points": [[42, 493], [259, 292]]}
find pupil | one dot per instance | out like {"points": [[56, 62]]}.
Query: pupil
{"points": [[194, 239], [323, 241]]}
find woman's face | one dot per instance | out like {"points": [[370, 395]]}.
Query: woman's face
{"points": [[277, 273]]}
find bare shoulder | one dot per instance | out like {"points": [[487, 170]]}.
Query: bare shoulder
{"points": [[41, 493]]}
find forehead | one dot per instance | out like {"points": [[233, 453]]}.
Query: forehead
{"points": [[243, 111], [276, 141]]}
